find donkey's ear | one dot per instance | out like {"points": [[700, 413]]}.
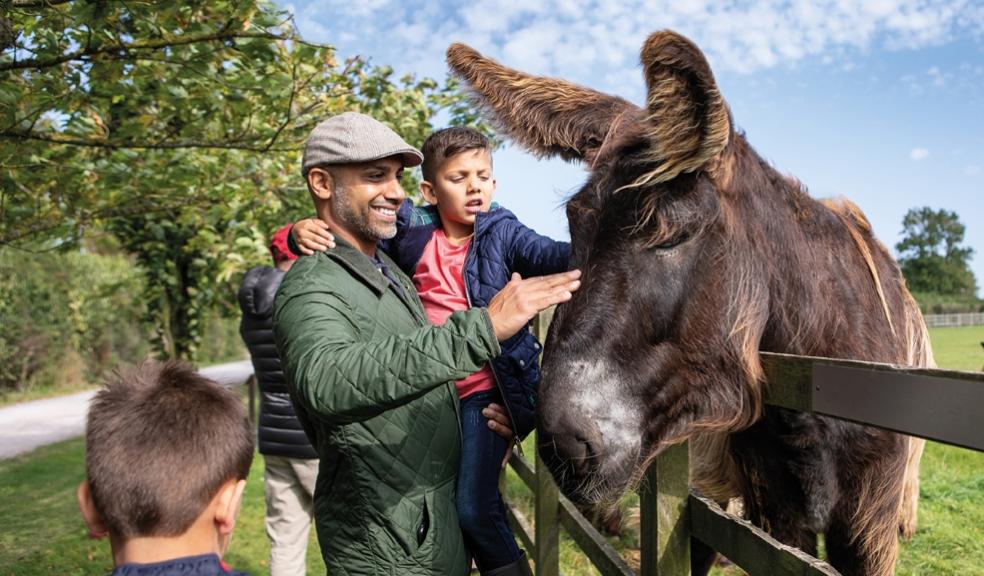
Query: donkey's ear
{"points": [[548, 117], [689, 123]]}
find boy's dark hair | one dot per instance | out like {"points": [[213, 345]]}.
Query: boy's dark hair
{"points": [[443, 144], [161, 440]]}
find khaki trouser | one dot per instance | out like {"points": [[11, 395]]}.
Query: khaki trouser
{"points": [[289, 498]]}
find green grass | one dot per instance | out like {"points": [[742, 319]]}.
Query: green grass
{"points": [[41, 531], [958, 348]]}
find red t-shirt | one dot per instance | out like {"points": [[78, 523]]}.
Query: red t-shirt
{"points": [[441, 286]]}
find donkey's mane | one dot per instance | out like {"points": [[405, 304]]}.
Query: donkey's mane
{"points": [[857, 224]]}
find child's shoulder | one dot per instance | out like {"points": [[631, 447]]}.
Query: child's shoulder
{"points": [[201, 565], [425, 215], [500, 217]]}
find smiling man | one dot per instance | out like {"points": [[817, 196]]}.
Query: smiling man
{"points": [[370, 377]]}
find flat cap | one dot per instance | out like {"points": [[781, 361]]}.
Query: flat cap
{"points": [[352, 137]]}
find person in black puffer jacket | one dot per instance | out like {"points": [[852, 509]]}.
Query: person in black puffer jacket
{"points": [[291, 464]]}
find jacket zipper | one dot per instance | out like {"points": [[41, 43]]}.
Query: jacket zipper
{"points": [[468, 300]]}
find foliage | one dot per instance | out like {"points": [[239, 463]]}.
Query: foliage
{"points": [[931, 255], [177, 127], [932, 303], [55, 307]]}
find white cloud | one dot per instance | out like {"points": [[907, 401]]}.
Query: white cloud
{"points": [[972, 170], [919, 154], [585, 40]]}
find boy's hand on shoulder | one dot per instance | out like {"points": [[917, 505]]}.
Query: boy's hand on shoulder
{"points": [[312, 235]]}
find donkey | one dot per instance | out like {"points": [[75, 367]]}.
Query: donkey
{"points": [[696, 254]]}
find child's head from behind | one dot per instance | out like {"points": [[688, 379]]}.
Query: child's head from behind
{"points": [[165, 447], [457, 176]]}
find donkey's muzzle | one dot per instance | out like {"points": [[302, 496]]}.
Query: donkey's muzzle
{"points": [[572, 451]]}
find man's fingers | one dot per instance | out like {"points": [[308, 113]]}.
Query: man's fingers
{"points": [[550, 282], [509, 451], [495, 413], [562, 278], [503, 431], [552, 298], [546, 296], [498, 421]]}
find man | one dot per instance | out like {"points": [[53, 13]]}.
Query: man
{"points": [[371, 377], [290, 462]]}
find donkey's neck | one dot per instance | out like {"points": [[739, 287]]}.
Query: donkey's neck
{"points": [[833, 289]]}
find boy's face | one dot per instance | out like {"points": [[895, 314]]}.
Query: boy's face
{"points": [[462, 187]]}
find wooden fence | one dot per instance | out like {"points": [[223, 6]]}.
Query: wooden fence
{"points": [[940, 405], [945, 320]]}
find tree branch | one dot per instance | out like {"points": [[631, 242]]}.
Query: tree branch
{"points": [[138, 207], [138, 45], [38, 3], [177, 144], [290, 104]]}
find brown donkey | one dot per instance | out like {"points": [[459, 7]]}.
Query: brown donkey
{"points": [[697, 254]]}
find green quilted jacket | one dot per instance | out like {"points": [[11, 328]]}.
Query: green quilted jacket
{"points": [[372, 382]]}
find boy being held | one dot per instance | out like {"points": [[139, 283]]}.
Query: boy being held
{"points": [[167, 453], [460, 251]]}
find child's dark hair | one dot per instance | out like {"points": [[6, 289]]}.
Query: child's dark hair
{"points": [[443, 144], [161, 440]]}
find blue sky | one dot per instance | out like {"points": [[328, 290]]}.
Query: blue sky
{"points": [[880, 101]]}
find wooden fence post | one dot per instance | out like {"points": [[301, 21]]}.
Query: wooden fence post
{"points": [[665, 525], [547, 527]]}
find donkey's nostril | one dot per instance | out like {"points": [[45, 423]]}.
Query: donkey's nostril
{"points": [[578, 447], [572, 448]]}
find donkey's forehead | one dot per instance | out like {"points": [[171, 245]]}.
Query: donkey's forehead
{"points": [[624, 135], [623, 162]]}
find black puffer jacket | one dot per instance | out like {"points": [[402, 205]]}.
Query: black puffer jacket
{"points": [[280, 432]]}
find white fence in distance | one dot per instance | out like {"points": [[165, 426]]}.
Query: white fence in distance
{"points": [[944, 320]]}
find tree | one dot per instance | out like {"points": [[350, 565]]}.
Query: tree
{"points": [[931, 256], [176, 127]]}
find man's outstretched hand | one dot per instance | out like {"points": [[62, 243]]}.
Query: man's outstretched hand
{"points": [[520, 300]]}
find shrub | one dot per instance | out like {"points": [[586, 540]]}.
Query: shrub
{"points": [[932, 303], [58, 308]]}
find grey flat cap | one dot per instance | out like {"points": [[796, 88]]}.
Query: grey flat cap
{"points": [[352, 137]]}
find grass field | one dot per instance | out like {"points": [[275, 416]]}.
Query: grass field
{"points": [[41, 531], [958, 348]]}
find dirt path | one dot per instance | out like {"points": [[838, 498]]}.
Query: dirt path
{"points": [[30, 425]]}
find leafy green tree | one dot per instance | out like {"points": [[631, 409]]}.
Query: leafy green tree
{"points": [[931, 255], [177, 127]]}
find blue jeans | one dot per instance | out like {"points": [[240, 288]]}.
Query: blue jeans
{"points": [[481, 512]]}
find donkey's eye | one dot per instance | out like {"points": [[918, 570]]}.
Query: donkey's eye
{"points": [[671, 243]]}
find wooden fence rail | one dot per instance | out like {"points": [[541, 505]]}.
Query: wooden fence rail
{"points": [[945, 406]]}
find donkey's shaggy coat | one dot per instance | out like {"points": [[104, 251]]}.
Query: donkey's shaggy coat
{"points": [[696, 254]]}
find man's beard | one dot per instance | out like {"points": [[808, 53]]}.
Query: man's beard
{"points": [[359, 220]]}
